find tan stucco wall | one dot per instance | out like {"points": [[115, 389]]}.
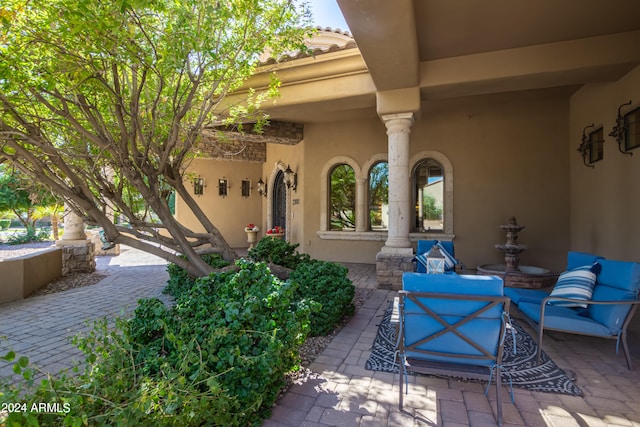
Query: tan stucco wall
{"points": [[233, 212], [20, 277], [605, 206], [509, 157]]}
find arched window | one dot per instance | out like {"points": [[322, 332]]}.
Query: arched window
{"points": [[429, 196], [379, 196], [342, 198]]}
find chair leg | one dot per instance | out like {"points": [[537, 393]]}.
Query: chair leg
{"points": [[498, 395], [625, 348], [539, 352], [400, 385]]}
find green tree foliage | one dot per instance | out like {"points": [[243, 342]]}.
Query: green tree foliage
{"points": [[378, 192], [23, 197], [431, 209], [105, 102], [343, 197]]}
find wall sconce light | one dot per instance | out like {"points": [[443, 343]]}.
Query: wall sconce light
{"points": [[198, 186], [291, 179], [262, 187], [223, 187], [246, 188], [620, 130]]}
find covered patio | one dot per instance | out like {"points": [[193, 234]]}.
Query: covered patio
{"points": [[337, 389]]}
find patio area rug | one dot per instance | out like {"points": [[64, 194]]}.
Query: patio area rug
{"points": [[520, 368]]}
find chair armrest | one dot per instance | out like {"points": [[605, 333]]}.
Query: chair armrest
{"points": [[588, 302]]}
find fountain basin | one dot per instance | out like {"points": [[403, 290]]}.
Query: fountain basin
{"points": [[525, 276]]}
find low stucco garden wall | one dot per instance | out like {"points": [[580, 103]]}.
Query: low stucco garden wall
{"points": [[21, 276]]}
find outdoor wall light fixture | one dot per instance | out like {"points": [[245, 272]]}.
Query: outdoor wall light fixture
{"points": [[198, 186], [262, 187], [223, 187], [291, 179], [621, 129]]}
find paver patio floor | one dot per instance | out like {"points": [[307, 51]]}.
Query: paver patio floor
{"points": [[339, 391]]}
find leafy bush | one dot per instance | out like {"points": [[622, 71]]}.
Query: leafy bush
{"points": [[277, 251], [325, 283], [4, 224], [180, 280], [219, 357], [31, 235]]}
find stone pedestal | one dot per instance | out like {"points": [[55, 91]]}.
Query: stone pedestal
{"points": [[390, 265], [78, 256]]}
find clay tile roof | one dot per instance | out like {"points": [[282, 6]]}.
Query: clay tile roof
{"points": [[326, 40]]}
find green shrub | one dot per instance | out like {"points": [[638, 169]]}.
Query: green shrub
{"points": [[325, 283], [4, 224], [277, 251], [180, 280], [218, 357], [31, 235]]}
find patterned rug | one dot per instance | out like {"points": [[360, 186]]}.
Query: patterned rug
{"points": [[520, 368]]}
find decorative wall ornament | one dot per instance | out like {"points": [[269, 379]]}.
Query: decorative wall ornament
{"points": [[620, 129], [223, 187], [246, 187], [198, 186]]}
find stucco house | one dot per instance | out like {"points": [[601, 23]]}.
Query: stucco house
{"points": [[492, 99]]}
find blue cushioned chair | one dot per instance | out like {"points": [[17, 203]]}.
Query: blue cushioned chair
{"points": [[452, 325], [424, 246]]}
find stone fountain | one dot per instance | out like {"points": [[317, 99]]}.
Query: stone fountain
{"points": [[514, 274]]}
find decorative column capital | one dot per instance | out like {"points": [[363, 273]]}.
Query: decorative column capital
{"points": [[398, 123]]}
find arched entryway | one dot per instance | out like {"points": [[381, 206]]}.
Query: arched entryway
{"points": [[279, 201]]}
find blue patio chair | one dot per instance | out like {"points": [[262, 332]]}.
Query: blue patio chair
{"points": [[452, 325], [424, 246]]}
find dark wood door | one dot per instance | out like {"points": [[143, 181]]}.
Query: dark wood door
{"points": [[279, 194]]}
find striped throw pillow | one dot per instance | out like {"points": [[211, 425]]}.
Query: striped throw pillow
{"points": [[575, 284], [449, 261]]}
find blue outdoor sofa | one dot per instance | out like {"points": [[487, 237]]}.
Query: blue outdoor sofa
{"points": [[603, 311]]}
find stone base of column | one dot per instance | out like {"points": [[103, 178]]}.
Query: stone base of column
{"points": [[78, 256], [390, 264]]}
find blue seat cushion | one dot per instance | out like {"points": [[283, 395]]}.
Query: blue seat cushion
{"points": [[578, 259], [529, 295], [566, 319], [613, 315], [419, 326], [620, 274], [465, 284], [576, 284]]}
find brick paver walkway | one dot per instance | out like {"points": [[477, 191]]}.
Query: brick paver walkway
{"points": [[339, 391]]}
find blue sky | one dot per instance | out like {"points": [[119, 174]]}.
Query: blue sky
{"points": [[326, 13]]}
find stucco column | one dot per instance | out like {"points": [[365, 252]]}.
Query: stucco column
{"points": [[73, 226], [362, 209], [398, 130]]}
